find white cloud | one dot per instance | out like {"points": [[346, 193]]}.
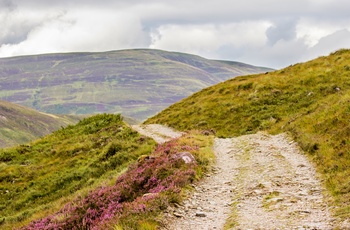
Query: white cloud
{"points": [[337, 40], [270, 32], [80, 31], [207, 39]]}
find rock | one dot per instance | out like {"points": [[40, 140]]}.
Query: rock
{"points": [[276, 199], [179, 215], [200, 214], [305, 212], [187, 157], [150, 195], [208, 132]]}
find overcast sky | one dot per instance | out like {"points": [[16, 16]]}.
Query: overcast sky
{"points": [[271, 33]]}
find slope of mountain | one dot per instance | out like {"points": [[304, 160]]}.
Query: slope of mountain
{"points": [[19, 124], [309, 100], [98, 174], [44, 174], [136, 83]]}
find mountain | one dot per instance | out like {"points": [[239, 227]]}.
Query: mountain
{"points": [[137, 83], [310, 101], [19, 124]]}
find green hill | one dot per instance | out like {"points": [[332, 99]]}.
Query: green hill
{"points": [[137, 83], [98, 174], [311, 101], [19, 124]]}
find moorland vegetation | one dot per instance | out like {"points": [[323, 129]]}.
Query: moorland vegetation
{"points": [[96, 174], [310, 101]]}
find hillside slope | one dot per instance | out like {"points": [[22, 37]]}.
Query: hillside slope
{"points": [[19, 124], [136, 83], [45, 174], [309, 100]]}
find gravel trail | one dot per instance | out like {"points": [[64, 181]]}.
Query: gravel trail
{"points": [[159, 133], [259, 181]]}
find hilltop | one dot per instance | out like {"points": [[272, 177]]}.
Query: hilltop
{"points": [[310, 101], [19, 124], [137, 83]]}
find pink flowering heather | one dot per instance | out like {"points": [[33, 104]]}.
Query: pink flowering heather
{"points": [[134, 192]]}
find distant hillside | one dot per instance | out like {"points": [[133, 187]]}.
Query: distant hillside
{"points": [[19, 124], [309, 100], [137, 83]]}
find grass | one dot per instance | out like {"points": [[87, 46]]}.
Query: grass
{"points": [[138, 197], [19, 124], [38, 178], [268, 199], [308, 100], [98, 174]]}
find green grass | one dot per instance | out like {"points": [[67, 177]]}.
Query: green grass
{"points": [[308, 100], [135, 199], [19, 124], [38, 178]]}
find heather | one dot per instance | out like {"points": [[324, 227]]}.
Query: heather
{"points": [[39, 178], [140, 194], [137, 83], [308, 100]]}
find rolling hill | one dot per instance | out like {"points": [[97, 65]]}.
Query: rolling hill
{"points": [[308, 100], [97, 174], [137, 83], [19, 124], [36, 175]]}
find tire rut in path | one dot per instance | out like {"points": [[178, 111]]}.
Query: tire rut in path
{"points": [[277, 187]]}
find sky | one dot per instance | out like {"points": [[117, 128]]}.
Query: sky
{"points": [[271, 33]]}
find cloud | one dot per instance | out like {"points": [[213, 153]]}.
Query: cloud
{"points": [[330, 43], [209, 38], [80, 31], [284, 29], [270, 32]]}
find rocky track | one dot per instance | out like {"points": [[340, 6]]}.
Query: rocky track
{"points": [[259, 182]]}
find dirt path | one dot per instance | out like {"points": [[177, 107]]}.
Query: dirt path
{"points": [[159, 133], [259, 181], [275, 186]]}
